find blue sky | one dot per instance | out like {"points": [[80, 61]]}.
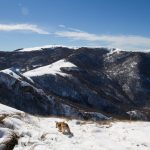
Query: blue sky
{"points": [[123, 24]]}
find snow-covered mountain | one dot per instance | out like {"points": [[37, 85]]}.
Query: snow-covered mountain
{"points": [[87, 83]]}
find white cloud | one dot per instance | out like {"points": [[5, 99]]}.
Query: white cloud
{"points": [[69, 28], [22, 27], [120, 41]]}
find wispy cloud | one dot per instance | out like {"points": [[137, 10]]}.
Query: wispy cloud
{"points": [[62, 26], [69, 28], [120, 41], [22, 27]]}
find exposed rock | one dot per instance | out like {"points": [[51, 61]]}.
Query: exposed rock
{"points": [[8, 139]]}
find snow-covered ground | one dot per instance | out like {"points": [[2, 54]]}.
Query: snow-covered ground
{"points": [[8, 110], [40, 133], [119, 136], [10, 72], [54, 68]]}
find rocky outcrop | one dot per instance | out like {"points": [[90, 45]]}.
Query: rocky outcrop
{"points": [[8, 139]]}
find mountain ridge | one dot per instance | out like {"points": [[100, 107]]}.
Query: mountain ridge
{"points": [[113, 83]]}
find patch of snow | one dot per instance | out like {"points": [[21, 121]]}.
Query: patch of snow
{"points": [[13, 123], [8, 110], [44, 47], [11, 73], [133, 64], [112, 50], [116, 50], [135, 114], [28, 78], [39, 65], [5, 135], [54, 68]]}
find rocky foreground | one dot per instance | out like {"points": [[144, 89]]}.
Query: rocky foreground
{"points": [[21, 131]]}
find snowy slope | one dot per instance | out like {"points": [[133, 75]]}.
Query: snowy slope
{"points": [[39, 133], [54, 68], [89, 136], [8, 110], [9, 136], [11, 73]]}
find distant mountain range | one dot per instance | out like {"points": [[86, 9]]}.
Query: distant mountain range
{"points": [[86, 83]]}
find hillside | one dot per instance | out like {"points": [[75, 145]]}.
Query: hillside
{"points": [[86, 83]]}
